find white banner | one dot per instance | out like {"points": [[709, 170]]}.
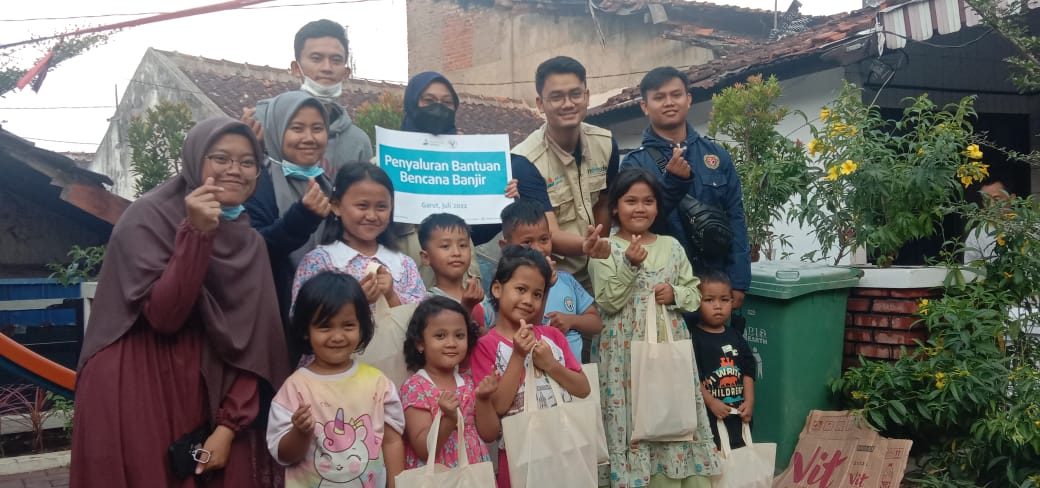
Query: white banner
{"points": [[465, 175]]}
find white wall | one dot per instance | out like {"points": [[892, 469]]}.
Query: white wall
{"points": [[807, 93]]}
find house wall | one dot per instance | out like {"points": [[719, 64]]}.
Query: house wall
{"points": [[495, 51], [36, 234], [805, 93], [156, 80]]}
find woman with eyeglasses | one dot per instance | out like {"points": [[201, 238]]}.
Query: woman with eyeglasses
{"points": [[184, 333], [291, 202]]}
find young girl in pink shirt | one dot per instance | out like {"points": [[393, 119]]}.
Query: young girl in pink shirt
{"points": [[518, 294]]}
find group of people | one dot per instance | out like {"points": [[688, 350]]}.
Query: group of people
{"points": [[235, 297]]}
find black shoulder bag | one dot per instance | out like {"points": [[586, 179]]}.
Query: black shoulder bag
{"points": [[706, 226]]}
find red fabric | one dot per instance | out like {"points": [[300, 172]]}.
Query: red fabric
{"points": [[477, 314], [174, 294], [231, 5], [40, 66], [138, 395]]}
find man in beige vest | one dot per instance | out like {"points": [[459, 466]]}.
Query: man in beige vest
{"points": [[577, 162]]}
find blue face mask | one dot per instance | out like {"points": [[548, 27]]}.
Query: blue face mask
{"points": [[231, 213], [298, 172]]}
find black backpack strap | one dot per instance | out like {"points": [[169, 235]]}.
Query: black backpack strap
{"points": [[662, 162]]}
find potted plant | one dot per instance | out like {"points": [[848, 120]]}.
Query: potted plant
{"points": [[882, 183], [771, 167]]}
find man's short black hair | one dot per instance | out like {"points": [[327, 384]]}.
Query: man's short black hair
{"points": [[524, 211], [320, 28], [436, 221], [660, 75], [560, 65]]}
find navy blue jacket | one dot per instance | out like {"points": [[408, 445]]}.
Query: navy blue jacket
{"points": [[719, 186], [283, 235]]}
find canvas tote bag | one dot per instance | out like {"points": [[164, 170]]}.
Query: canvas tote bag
{"points": [[750, 466], [547, 447], [465, 475], [663, 385], [592, 426], [385, 351]]}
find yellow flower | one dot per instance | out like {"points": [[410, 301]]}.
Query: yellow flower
{"points": [[973, 151], [1008, 275], [853, 130], [833, 133], [832, 174], [814, 147], [966, 180], [940, 380], [848, 167], [1037, 423], [1000, 240], [858, 395], [824, 114], [920, 151], [1010, 215], [922, 308]]}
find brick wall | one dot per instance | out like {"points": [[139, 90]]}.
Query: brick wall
{"points": [[879, 321], [494, 51]]}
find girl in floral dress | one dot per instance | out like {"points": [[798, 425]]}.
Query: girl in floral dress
{"points": [[358, 233], [644, 270], [439, 339]]}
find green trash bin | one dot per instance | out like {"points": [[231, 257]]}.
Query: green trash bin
{"points": [[795, 315]]}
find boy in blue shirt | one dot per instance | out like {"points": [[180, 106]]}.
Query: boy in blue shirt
{"points": [[568, 307]]}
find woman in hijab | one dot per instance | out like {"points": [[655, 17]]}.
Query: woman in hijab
{"points": [[290, 202], [430, 105], [185, 331]]}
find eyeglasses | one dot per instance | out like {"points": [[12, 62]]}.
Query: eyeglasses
{"points": [[223, 163], [430, 100], [576, 96]]}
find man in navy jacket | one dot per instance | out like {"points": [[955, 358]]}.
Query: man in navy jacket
{"points": [[695, 166]]}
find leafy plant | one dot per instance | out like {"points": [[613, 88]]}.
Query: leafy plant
{"points": [[388, 112], [65, 407], [969, 396], [885, 182], [772, 168], [27, 405], [1008, 18], [85, 265], [155, 144]]}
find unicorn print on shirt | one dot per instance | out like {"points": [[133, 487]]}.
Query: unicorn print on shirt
{"points": [[344, 452]]}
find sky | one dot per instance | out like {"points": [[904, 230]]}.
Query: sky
{"points": [[94, 81]]}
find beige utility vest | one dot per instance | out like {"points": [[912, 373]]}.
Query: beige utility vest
{"points": [[572, 191]]}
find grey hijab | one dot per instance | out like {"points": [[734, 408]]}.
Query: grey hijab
{"points": [[288, 191]]}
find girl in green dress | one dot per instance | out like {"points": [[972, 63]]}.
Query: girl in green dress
{"points": [[644, 269]]}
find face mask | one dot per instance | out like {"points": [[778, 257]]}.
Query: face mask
{"points": [[436, 119], [325, 93], [231, 213], [298, 172]]}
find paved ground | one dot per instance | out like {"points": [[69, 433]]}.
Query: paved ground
{"points": [[35, 471]]}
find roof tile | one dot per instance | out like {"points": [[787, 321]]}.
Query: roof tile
{"points": [[236, 86]]}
